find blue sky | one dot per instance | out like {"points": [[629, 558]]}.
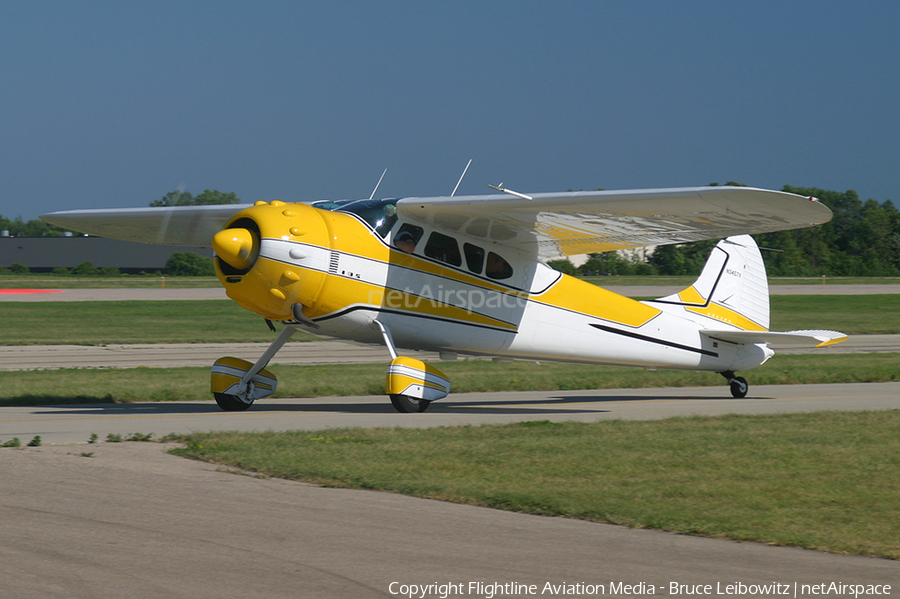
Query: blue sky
{"points": [[113, 104]]}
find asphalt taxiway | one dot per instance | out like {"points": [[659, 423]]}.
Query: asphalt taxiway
{"points": [[123, 520], [128, 520], [76, 423]]}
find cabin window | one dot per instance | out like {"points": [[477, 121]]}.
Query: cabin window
{"points": [[443, 248], [474, 257], [407, 237], [380, 214], [497, 268]]}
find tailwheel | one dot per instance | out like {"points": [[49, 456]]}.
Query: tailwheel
{"points": [[230, 403], [409, 405], [738, 384], [739, 387]]}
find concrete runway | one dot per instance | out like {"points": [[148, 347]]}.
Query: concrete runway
{"points": [[171, 355], [76, 423], [126, 520], [132, 522]]}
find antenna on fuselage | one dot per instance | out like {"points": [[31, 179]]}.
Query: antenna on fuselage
{"points": [[377, 184], [510, 191], [465, 170]]}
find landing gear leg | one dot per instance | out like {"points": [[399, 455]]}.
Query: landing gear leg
{"points": [[236, 383], [738, 384]]}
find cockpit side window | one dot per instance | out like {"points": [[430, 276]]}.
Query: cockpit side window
{"points": [[407, 237], [380, 214], [443, 248]]}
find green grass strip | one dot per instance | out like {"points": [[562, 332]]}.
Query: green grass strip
{"points": [[823, 480], [223, 321], [146, 281], [853, 314], [99, 323], [186, 384]]}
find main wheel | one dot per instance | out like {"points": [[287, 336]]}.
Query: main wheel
{"points": [[739, 387], [230, 403], [407, 405]]}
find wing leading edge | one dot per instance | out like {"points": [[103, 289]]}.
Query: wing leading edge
{"points": [[178, 225], [562, 224]]}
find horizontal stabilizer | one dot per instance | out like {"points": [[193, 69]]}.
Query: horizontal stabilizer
{"points": [[775, 340]]}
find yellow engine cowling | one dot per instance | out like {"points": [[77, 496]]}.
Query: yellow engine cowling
{"points": [[258, 283]]}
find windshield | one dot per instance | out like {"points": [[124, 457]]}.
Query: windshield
{"points": [[330, 204], [380, 214]]}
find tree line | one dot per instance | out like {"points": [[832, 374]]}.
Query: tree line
{"points": [[863, 239]]}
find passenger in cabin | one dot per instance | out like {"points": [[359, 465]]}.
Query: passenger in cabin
{"points": [[405, 242]]}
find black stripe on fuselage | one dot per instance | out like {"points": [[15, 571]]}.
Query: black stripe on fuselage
{"points": [[414, 315], [633, 335]]}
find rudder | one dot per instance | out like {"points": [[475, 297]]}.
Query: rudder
{"points": [[731, 290]]}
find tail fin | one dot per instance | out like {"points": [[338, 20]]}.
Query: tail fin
{"points": [[732, 289]]}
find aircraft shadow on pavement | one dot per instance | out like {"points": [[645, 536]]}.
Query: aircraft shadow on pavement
{"points": [[174, 409], [574, 404]]}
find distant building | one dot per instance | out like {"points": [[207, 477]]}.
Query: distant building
{"points": [[43, 254]]}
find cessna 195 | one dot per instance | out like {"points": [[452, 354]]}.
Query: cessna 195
{"points": [[465, 275]]}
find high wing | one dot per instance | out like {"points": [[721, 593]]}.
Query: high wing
{"points": [[545, 226], [551, 225], [177, 225]]}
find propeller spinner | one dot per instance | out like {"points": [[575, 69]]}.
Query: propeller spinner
{"points": [[236, 247]]}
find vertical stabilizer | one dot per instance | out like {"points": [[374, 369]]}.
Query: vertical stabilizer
{"points": [[732, 289]]}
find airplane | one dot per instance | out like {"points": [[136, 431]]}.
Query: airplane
{"points": [[466, 275]]}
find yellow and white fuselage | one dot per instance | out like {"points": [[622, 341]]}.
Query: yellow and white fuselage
{"points": [[345, 275]]}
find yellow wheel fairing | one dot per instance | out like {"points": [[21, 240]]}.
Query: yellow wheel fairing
{"points": [[416, 379], [227, 374]]}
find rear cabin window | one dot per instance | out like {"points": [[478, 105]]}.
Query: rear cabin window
{"points": [[443, 249], [474, 257], [497, 268]]}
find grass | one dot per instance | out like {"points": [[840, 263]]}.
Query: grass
{"points": [[187, 384], [223, 321], [48, 281], [854, 315], [823, 480], [98, 323], [154, 281], [685, 281]]}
